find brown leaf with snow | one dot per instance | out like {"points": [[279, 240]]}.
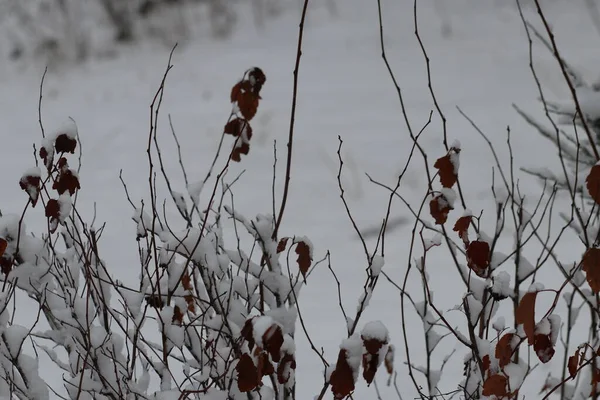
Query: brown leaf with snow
{"points": [[504, 349], [543, 347], [446, 170], [31, 185], [389, 360], [285, 367], [591, 266], [304, 259], [67, 180], [526, 315], [65, 144], [439, 207], [462, 227], [593, 183], [282, 244], [272, 341], [248, 378], [478, 257], [342, 378], [495, 385], [573, 364]]}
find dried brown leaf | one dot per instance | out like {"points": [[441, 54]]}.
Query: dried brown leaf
{"points": [[284, 368], [272, 341], [543, 347], [573, 364], [504, 349], [389, 360], [67, 180], [439, 207], [526, 315], [248, 377], [495, 385], [478, 257], [177, 316], [282, 244], [342, 378], [65, 144], [462, 227], [304, 259], [445, 169], [593, 183], [31, 185], [591, 266]]}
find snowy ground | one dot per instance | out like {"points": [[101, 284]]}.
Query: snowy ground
{"points": [[344, 90]]}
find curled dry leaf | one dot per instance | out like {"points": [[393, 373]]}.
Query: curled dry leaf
{"points": [[370, 360], [247, 332], [446, 171], [504, 349], [495, 385], [248, 377], [67, 180], [282, 244], [526, 315], [486, 363], [304, 259], [591, 266], [285, 367], [265, 367], [573, 364], [3, 246], [478, 257], [462, 227], [65, 144], [342, 378], [389, 360], [272, 341], [177, 316], [543, 347], [155, 301], [439, 207], [593, 183], [32, 185]]}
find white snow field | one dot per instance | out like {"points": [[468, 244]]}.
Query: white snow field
{"points": [[345, 90]]}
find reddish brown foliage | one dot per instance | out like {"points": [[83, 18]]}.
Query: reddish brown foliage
{"points": [[67, 180], [370, 359], [445, 169], [155, 301], [543, 347], [177, 316], [593, 183], [462, 227], [591, 266], [342, 378], [235, 127], [3, 245], [286, 364], [282, 244], [247, 332], [478, 257], [504, 349], [486, 363], [65, 144], [573, 364], [526, 315], [240, 148], [248, 377], [265, 367], [53, 209], [439, 207], [389, 360], [304, 259], [32, 185], [272, 341], [495, 385]]}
